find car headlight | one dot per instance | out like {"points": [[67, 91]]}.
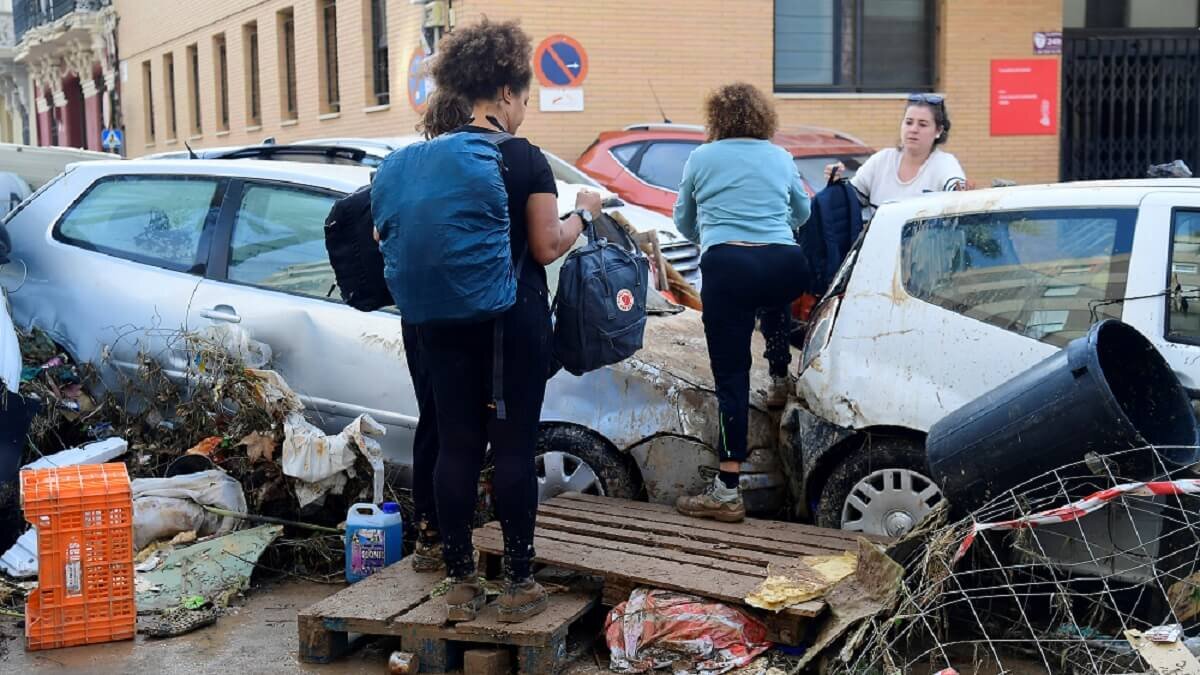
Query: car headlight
{"points": [[819, 331]]}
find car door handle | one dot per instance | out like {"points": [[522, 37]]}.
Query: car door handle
{"points": [[221, 313]]}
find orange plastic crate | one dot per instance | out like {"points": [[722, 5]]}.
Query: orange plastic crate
{"points": [[84, 521]]}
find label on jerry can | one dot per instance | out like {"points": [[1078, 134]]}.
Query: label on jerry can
{"points": [[367, 552]]}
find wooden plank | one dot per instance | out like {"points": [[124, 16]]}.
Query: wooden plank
{"points": [[391, 591], [654, 572], [768, 530], [743, 545], [318, 644], [562, 610], [716, 563]]}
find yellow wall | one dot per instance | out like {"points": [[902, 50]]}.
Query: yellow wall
{"points": [[683, 47]]}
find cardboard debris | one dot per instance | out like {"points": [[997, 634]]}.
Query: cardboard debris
{"points": [[1184, 596], [810, 577], [1165, 658], [214, 569]]}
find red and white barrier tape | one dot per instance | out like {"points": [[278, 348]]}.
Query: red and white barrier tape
{"points": [[1076, 510]]}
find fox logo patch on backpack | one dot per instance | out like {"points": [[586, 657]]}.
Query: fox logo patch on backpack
{"points": [[442, 213]]}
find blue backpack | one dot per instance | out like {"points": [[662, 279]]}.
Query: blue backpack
{"points": [[442, 213], [600, 306]]}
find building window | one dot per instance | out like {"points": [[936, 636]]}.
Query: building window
{"points": [[378, 48], [854, 45], [286, 21], [193, 57], [221, 75], [148, 100], [328, 51], [253, 85], [169, 85]]}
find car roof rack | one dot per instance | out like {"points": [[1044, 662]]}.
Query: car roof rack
{"points": [[284, 151], [663, 126]]}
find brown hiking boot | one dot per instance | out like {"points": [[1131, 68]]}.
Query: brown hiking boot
{"points": [[521, 601], [427, 556], [464, 599], [715, 502]]}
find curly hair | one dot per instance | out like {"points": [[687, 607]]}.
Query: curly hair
{"points": [[476, 61], [739, 110], [941, 118], [444, 112]]}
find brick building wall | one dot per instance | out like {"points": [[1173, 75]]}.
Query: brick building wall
{"points": [[681, 48]]}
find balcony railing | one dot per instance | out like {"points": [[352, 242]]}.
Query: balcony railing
{"points": [[29, 14]]}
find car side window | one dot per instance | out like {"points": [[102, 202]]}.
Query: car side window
{"points": [[1183, 305], [278, 241], [1047, 274], [153, 219], [662, 164], [625, 153]]}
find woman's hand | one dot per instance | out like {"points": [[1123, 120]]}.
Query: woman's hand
{"points": [[831, 169], [589, 201]]}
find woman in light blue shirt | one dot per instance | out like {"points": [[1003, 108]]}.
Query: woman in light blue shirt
{"points": [[742, 201]]}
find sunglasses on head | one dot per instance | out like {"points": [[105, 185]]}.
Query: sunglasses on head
{"points": [[931, 99]]}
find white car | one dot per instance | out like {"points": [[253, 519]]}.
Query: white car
{"points": [[950, 295], [118, 258]]}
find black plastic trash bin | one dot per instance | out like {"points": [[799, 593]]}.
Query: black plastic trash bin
{"points": [[1106, 392]]}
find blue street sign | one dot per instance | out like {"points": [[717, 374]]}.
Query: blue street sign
{"points": [[560, 61], [111, 139]]}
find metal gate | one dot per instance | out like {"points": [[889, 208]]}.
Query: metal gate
{"points": [[1129, 99]]}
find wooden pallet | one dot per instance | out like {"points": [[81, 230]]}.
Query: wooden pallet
{"points": [[631, 544], [396, 602]]}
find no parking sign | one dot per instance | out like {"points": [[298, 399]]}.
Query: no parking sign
{"points": [[561, 64]]}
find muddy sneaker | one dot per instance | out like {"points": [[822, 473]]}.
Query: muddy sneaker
{"points": [[717, 502], [427, 556], [521, 601], [464, 599], [779, 391]]}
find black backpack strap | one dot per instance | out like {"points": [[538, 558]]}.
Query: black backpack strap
{"points": [[498, 351]]}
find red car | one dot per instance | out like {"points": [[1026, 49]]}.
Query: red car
{"points": [[643, 164]]}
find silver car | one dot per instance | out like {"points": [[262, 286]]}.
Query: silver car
{"points": [[116, 257]]}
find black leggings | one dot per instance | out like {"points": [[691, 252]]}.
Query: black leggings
{"points": [[460, 364], [739, 281], [425, 440]]}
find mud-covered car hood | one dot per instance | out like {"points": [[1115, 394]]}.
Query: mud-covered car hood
{"points": [[676, 345]]}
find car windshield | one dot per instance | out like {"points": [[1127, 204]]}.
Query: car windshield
{"points": [[567, 173], [1047, 274], [812, 169]]}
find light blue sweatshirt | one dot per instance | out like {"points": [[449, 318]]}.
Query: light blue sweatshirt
{"points": [[740, 189]]}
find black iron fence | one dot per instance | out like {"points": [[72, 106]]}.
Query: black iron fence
{"points": [[1129, 99], [29, 14]]}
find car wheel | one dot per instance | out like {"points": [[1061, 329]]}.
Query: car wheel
{"points": [[882, 488], [571, 459]]}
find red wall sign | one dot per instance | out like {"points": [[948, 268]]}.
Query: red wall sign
{"points": [[1025, 97]]}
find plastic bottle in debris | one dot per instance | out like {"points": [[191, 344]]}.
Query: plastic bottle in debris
{"points": [[374, 539]]}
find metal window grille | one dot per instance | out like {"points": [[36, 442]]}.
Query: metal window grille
{"points": [[332, 94], [194, 57], [289, 57], [255, 103], [379, 51], [172, 123], [223, 83]]}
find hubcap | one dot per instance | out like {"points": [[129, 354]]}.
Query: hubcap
{"points": [[559, 472], [889, 502]]}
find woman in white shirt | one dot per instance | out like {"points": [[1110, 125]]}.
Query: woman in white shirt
{"points": [[917, 165]]}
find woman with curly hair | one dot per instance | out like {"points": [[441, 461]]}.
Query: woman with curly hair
{"points": [[742, 201], [487, 65]]}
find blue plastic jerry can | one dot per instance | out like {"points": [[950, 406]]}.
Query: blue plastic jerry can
{"points": [[374, 539]]}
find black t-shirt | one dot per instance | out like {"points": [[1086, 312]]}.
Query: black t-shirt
{"points": [[526, 173]]}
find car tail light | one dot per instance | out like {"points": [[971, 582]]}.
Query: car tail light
{"points": [[820, 328]]}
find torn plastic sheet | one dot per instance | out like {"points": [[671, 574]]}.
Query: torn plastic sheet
{"points": [[10, 350], [213, 569], [164, 507], [320, 462], [233, 340]]}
